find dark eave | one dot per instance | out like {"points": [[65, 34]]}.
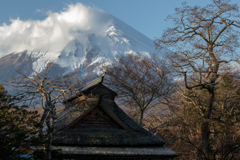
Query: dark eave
{"points": [[154, 152]]}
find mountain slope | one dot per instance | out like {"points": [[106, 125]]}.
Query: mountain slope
{"points": [[12, 62], [85, 49]]}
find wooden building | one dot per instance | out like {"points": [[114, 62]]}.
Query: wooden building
{"points": [[93, 127]]}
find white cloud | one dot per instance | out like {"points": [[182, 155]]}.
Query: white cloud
{"points": [[39, 10], [54, 32]]}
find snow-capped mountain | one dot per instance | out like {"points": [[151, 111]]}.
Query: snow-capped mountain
{"points": [[81, 46]]}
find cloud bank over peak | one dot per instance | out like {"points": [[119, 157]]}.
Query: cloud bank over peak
{"points": [[54, 32]]}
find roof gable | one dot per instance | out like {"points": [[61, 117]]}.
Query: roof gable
{"points": [[95, 118]]}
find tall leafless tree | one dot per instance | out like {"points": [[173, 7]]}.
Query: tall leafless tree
{"points": [[203, 41], [140, 82], [49, 87]]}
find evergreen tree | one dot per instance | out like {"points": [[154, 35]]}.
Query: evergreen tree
{"points": [[17, 127]]}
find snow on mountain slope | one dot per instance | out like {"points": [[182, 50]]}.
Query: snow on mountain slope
{"points": [[79, 37], [87, 49]]}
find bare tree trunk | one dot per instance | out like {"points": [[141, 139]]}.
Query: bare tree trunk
{"points": [[208, 112], [141, 117], [50, 131], [44, 116], [49, 141], [206, 128], [205, 138]]}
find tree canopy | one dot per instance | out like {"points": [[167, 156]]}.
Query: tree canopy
{"points": [[18, 127], [203, 42], [140, 82]]}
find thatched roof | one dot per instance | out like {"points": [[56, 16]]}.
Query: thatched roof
{"points": [[85, 90], [132, 133], [116, 135], [71, 114]]}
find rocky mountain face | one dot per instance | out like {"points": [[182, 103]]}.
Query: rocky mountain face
{"points": [[13, 62]]}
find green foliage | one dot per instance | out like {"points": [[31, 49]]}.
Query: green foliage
{"points": [[17, 126]]}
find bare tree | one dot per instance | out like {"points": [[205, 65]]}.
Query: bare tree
{"points": [[203, 40], [140, 82], [48, 87]]}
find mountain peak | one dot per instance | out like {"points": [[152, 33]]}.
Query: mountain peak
{"points": [[79, 37]]}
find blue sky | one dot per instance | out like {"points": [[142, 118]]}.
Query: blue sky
{"points": [[146, 16]]}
